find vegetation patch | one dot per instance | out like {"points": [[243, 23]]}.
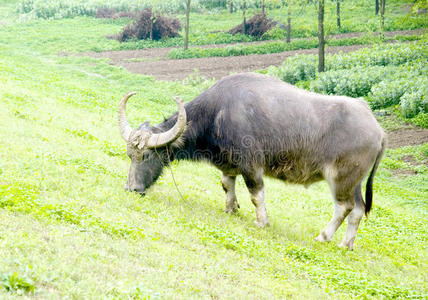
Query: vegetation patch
{"points": [[386, 75], [14, 283], [273, 47], [150, 26], [256, 26], [111, 13]]}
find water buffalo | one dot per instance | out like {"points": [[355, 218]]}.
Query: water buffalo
{"points": [[254, 125]]}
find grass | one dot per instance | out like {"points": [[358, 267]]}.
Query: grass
{"points": [[209, 27], [68, 230]]}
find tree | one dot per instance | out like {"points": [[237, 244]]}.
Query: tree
{"points": [[377, 7], [231, 6], [382, 17], [244, 22], [321, 41], [338, 13], [263, 7], [288, 21], [186, 36]]}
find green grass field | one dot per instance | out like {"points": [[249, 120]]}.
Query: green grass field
{"points": [[69, 230]]}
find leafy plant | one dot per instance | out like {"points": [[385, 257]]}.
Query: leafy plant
{"points": [[14, 283], [413, 103]]}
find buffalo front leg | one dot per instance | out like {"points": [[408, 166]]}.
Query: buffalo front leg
{"points": [[228, 183], [254, 183]]}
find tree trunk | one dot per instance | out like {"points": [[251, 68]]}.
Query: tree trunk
{"points": [[231, 7], [289, 22], [244, 22], [152, 20], [186, 37], [263, 7], [382, 18], [321, 41], [338, 13], [377, 7]]}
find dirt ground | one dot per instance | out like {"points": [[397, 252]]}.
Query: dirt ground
{"points": [[155, 62], [407, 137]]}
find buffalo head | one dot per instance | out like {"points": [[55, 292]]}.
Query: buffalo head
{"points": [[146, 146]]}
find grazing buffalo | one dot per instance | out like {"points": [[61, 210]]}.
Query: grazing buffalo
{"points": [[254, 125]]}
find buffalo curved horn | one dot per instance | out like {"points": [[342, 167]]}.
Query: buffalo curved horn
{"points": [[164, 138], [125, 128]]}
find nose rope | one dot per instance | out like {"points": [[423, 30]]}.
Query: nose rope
{"points": [[170, 169]]}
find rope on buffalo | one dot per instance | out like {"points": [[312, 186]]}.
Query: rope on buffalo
{"points": [[170, 169]]}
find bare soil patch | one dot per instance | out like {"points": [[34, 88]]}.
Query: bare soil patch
{"points": [[407, 137], [155, 62], [161, 68]]}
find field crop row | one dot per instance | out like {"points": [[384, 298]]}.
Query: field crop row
{"points": [[278, 46], [386, 74]]}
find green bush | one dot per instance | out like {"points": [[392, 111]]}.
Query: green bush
{"points": [[354, 82], [274, 33], [296, 68], [421, 120], [388, 93], [415, 102]]}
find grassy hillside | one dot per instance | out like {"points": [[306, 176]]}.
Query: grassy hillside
{"points": [[67, 228]]}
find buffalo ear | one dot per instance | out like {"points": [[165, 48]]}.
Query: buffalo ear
{"points": [[145, 126], [139, 138]]}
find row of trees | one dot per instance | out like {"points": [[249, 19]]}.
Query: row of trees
{"points": [[261, 4]]}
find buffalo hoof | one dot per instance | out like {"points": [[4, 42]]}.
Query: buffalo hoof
{"points": [[261, 224], [347, 245], [233, 209], [321, 238]]}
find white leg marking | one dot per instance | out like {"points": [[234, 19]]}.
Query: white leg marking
{"points": [[228, 183], [258, 199], [354, 219]]}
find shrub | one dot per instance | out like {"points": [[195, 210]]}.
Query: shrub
{"points": [[407, 78], [415, 102], [148, 25], [421, 120], [275, 33], [388, 93], [296, 68], [353, 83], [258, 25]]}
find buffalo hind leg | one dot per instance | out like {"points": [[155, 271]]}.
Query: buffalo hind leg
{"points": [[228, 183], [342, 207], [343, 203], [354, 219], [254, 183]]}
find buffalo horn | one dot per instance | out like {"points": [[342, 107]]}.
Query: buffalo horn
{"points": [[165, 138]]}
